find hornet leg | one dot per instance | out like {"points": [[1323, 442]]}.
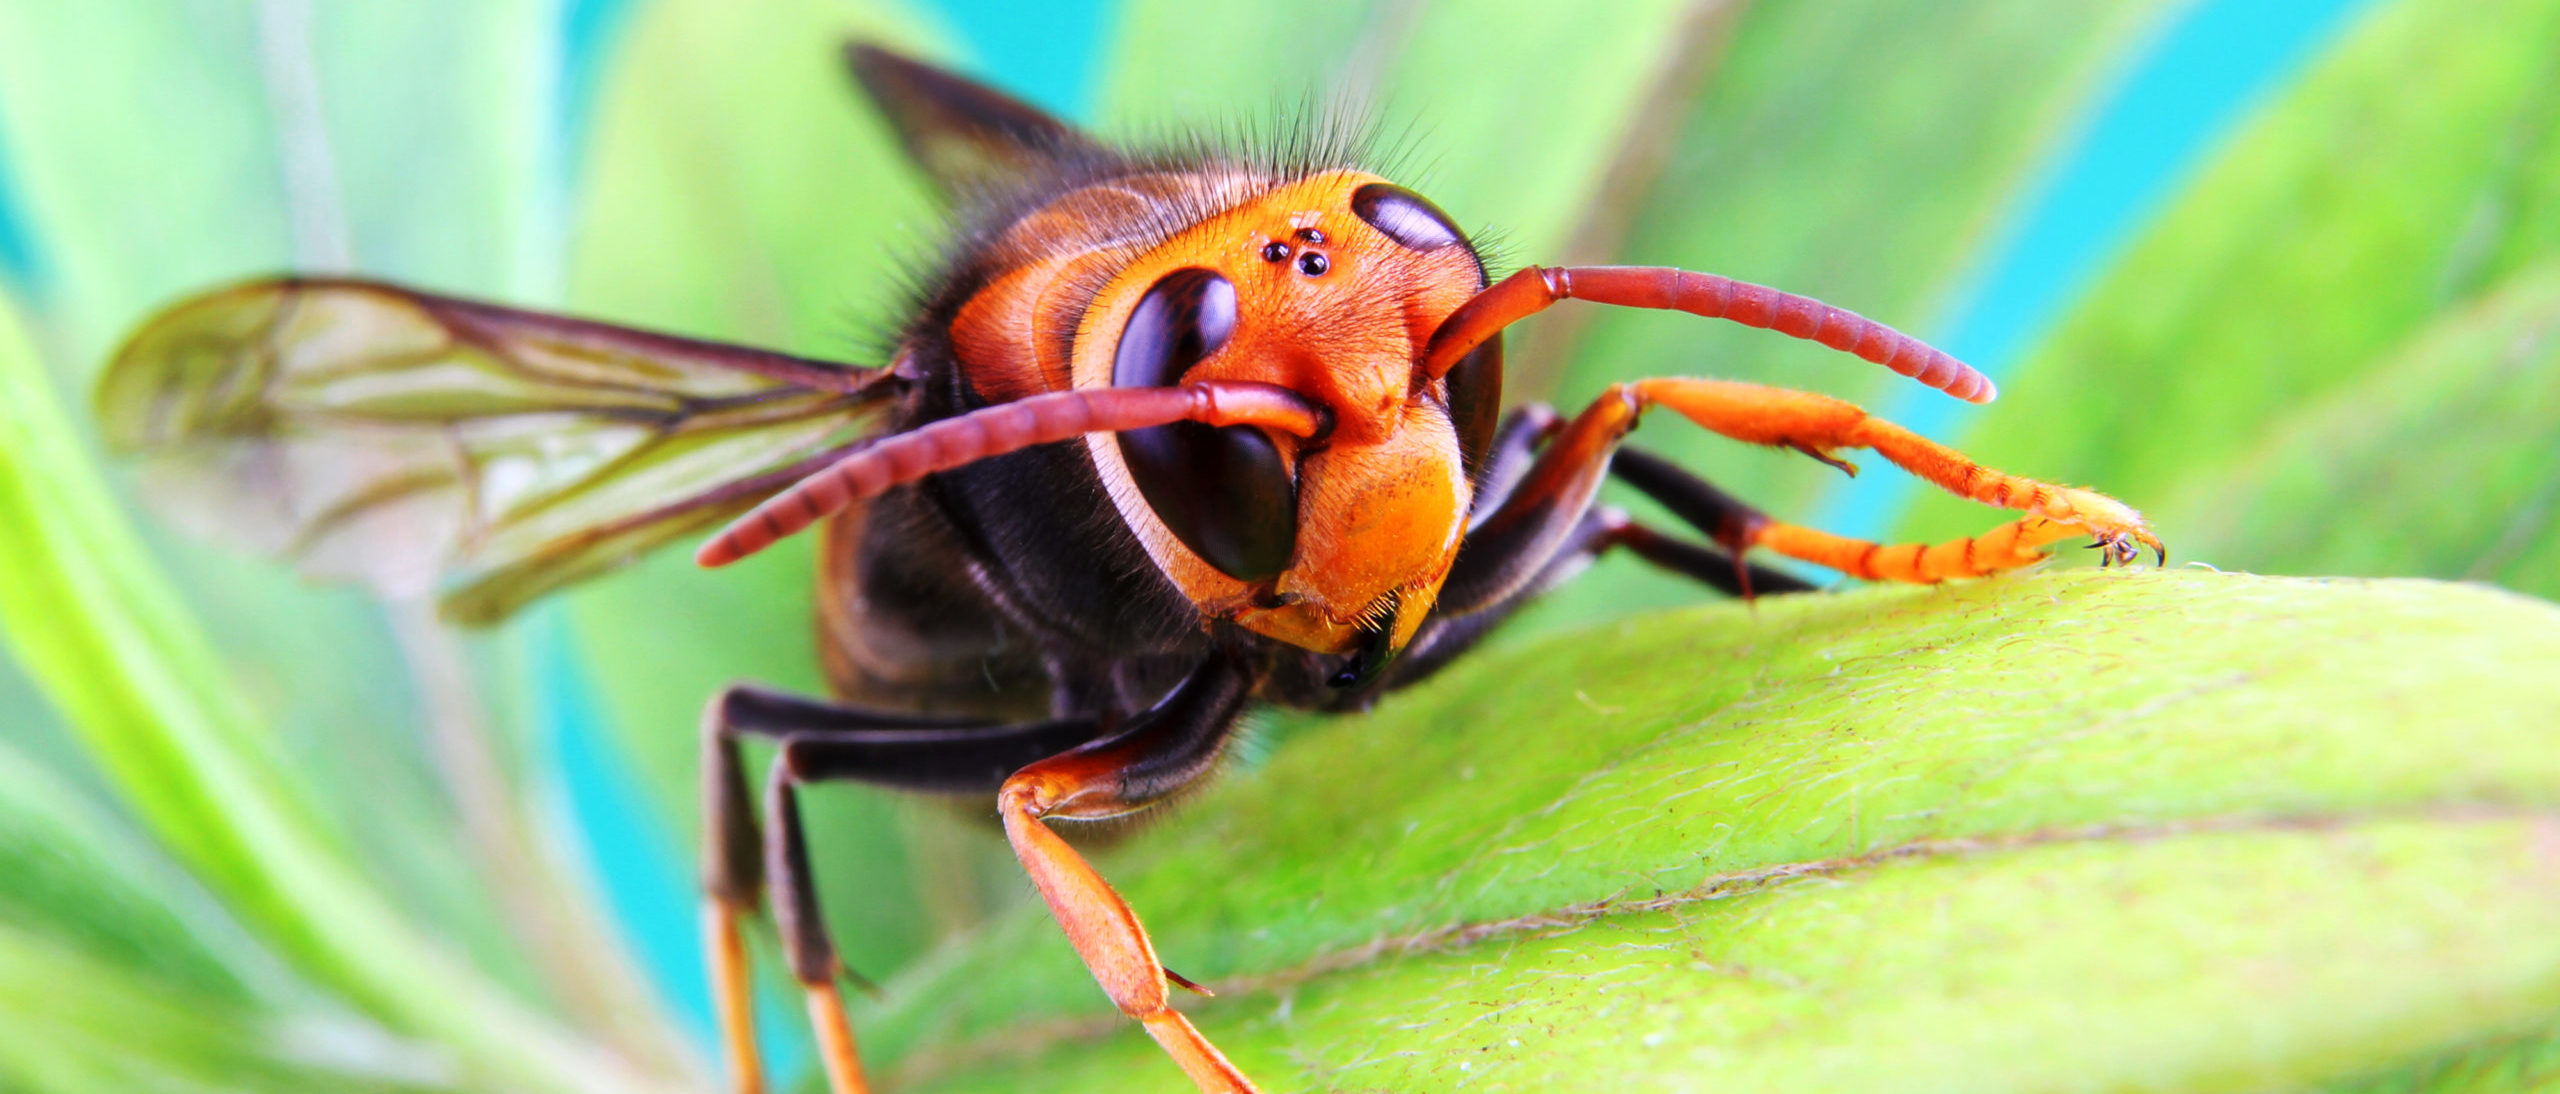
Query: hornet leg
{"points": [[1507, 547], [1158, 753], [821, 741]]}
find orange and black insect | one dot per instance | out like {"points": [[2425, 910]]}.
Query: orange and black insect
{"points": [[1171, 433]]}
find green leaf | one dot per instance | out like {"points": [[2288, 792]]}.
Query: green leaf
{"points": [[1860, 153], [97, 626], [84, 613], [2500, 1064], [116, 973], [2094, 830], [161, 146], [85, 887], [442, 129], [78, 1025], [738, 188], [2359, 208]]}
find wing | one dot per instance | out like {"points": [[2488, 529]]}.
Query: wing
{"points": [[429, 445], [970, 138]]}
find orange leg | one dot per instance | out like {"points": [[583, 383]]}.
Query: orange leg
{"points": [[733, 888], [1509, 546], [737, 862], [804, 933], [1820, 425], [731, 996], [1162, 750], [2007, 547], [1061, 771]]}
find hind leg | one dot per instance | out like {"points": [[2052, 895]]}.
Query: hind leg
{"points": [[821, 741], [1041, 772]]}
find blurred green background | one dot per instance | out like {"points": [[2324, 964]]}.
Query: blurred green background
{"points": [[2284, 274]]}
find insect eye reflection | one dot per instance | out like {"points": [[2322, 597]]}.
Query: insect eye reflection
{"points": [[1313, 264], [1406, 217], [1225, 493]]}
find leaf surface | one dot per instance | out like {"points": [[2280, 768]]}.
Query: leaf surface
{"points": [[1934, 824]]}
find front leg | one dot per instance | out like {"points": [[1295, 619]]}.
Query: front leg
{"points": [[1820, 426], [1506, 549], [1163, 750]]}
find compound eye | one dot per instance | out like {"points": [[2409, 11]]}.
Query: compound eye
{"points": [[1225, 493], [1406, 217], [1187, 316]]}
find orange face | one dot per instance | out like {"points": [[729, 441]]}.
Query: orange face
{"points": [[1330, 286]]}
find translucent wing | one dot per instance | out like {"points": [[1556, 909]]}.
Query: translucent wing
{"points": [[429, 445], [970, 139]]}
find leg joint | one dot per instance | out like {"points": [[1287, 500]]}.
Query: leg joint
{"points": [[1031, 794]]}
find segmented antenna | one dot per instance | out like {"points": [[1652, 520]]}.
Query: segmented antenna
{"points": [[996, 430], [1531, 290]]}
